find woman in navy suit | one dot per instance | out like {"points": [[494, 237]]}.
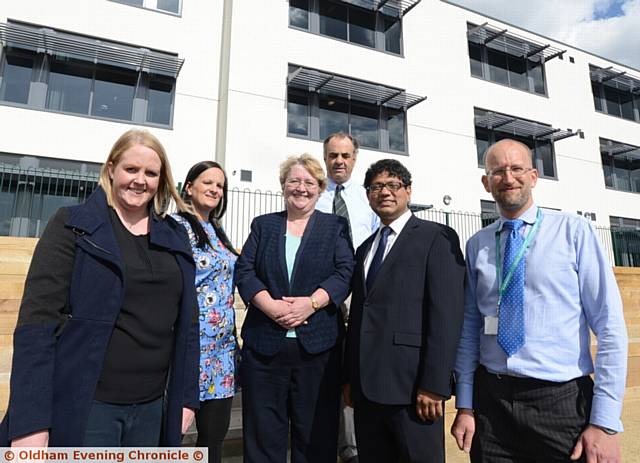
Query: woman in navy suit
{"points": [[293, 273]]}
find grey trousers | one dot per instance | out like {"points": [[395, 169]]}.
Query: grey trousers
{"points": [[347, 448]]}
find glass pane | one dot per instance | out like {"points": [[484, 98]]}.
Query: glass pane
{"points": [[362, 27], [597, 100], [518, 72], [333, 20], [475, 57], [536, 73], [544, 159], [172, 6], [497, 66], [626, 105], [392, 35], [611, 97], [364, 124], [482, 143], [606, 169], [299, 13], [16, 79], [396, 129], [113, 92], [69, 86], [334, 116], [159, 99], [297, 112], [634, 167]]}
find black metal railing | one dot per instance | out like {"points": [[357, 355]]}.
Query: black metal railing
{"points": [[28, 198]]}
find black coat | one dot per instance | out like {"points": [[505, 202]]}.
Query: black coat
{"points": [[404, 333], [59, 349]]}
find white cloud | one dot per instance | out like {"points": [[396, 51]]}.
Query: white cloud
{"points": [[572, 22]]}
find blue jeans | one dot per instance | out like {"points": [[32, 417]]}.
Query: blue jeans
{"points": [[133, 425]]}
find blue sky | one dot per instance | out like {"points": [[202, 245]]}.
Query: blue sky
{"points": [[609, 28]]}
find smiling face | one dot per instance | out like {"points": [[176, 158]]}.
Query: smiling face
{"points": [[300, 190], [388, 204], [135, 178], [205, 192], [512, 193], [340, 158]]}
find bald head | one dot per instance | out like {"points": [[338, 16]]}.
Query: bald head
{"points": [[506, 144], [510, 176]]}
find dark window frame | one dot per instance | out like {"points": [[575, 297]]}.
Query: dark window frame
{"points": [[314, 129], [40, 84], [485, 67], [380, 39], [603, 105], [612, 165]]}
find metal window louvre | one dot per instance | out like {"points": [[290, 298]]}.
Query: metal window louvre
{"points": [[89, 49], [615, 148], [395, 8], [512, 43], [614, 78], [510, 124], [313, 80]]}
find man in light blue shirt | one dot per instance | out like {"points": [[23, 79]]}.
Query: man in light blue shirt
{"points": [[347, 198], [523, 389]]}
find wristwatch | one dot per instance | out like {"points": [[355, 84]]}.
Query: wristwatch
{"points": [[314, 304], [609, 431]]}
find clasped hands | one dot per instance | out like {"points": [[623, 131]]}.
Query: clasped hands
{"points": [[290, 312]]}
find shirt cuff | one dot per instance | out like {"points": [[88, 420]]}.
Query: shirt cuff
{"points": [[605, 412], [464, 395]]}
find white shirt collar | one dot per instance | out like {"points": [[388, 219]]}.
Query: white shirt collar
{"points": [[398, 224], [331, 185]]}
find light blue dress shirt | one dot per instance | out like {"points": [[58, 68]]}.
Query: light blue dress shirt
{"points": [[363, 221], [569, 289]]}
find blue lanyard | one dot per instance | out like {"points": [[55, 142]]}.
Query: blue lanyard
{"points": [[527, 241]]}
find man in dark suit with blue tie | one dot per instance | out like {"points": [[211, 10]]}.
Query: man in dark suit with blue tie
{"points": [[406, 317]]}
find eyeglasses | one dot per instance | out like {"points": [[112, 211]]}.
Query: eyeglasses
{"points": [[516, 171], [296, 182], [391, 186]]}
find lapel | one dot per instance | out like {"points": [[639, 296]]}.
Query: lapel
{"points": [[282, 251], [364, 251], [308, 230], [402, 240]]}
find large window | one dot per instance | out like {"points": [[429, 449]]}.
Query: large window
{"points": [[492, 126], [508, 59], [33, 188], [615, 93], [625, 234], [320, 103], [363, 22], [620, 165], [167, 6], [123, 83]]}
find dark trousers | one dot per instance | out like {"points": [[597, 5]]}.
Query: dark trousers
{"points": [[291, 390], [524, 420], [212, 422], [132, 425], [394, 433]]}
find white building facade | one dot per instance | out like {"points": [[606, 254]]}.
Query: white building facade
{"points": [[251, 82]]}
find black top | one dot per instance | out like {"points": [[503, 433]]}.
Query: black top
{"points": [[139, 352]]}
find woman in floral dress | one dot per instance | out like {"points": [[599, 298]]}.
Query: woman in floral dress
{"points": [[205, 191]]}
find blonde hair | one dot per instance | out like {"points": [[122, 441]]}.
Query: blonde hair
{"points": [[311, 164], [166, 186]]}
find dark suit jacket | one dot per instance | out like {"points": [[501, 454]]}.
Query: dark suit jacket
{"points": [[324, 260], [403, 334]]}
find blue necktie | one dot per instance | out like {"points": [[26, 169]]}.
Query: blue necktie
{"points": [[376, 262], [511, 317]]}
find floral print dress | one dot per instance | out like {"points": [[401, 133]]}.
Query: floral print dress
{"points": [[215, 289]]}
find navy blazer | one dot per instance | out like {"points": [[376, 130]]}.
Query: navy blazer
{"points": [[324, 260]]}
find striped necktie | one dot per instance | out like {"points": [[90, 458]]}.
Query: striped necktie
{"points": [[340, 207]]}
